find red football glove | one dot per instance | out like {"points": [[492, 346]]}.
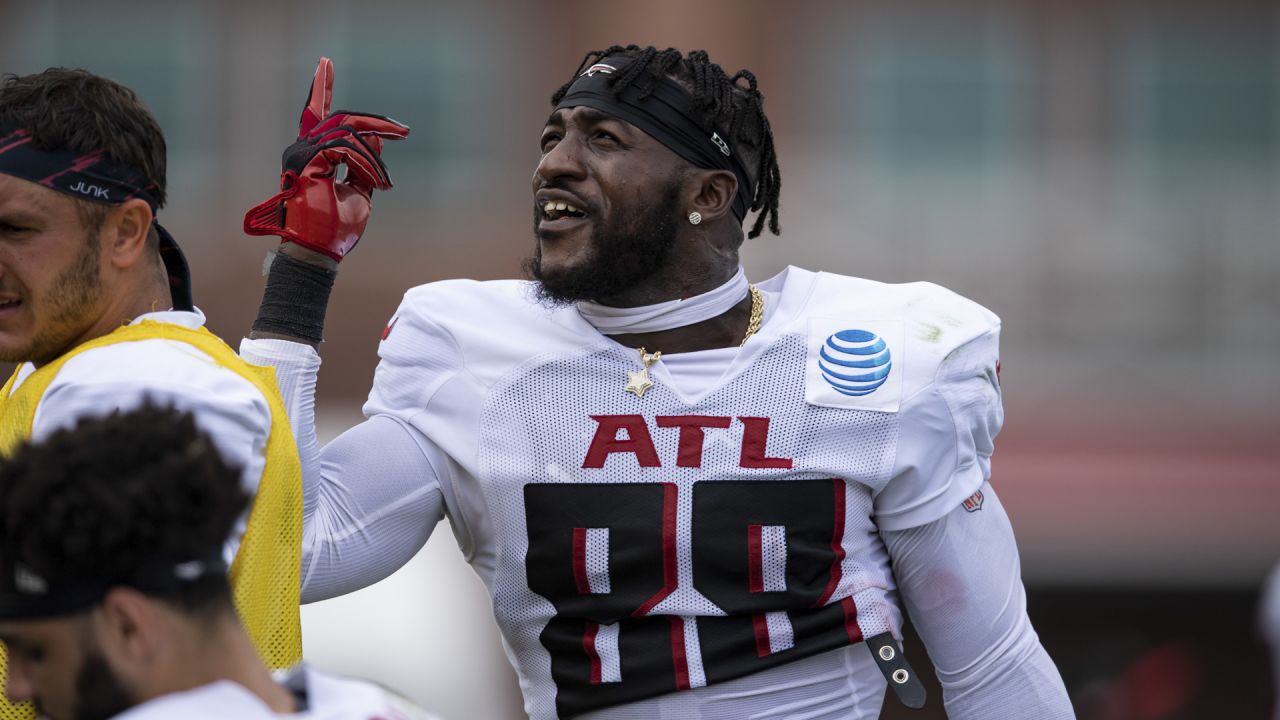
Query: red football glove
{"points": [[314, 208]]}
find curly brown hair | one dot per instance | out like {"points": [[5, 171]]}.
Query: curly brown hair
{"points": [[73, 109], [113, 493]]}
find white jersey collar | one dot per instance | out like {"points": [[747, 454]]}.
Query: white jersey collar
{"points": [[186, 318]]}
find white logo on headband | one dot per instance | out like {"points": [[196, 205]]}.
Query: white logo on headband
{"points": [[86, 189], [599, 68], [27, 581], [724, 146]]}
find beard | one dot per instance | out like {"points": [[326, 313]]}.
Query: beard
{"points": [[99, 693], [630, 248], [67, 302]]}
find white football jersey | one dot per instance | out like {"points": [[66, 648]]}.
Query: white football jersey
{"points": [[637, 544], [323, 697]]}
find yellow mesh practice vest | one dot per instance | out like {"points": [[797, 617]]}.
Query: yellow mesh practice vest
{"points": [[265, 573]]}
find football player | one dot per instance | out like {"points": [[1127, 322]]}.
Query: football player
{"points": [[689, 495], [114, 600], [96, 309]]}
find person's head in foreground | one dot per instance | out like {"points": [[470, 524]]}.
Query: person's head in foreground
{"points": [[113, 587], [82, 175], [651, 161]]}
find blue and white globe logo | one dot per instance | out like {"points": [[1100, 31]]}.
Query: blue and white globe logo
{"points": [[854, 362]]}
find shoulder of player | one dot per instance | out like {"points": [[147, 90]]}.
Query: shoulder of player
{"points": [[909, 299], [488, 323], [444, 300], [926, 322], [932, 314], [156, 367], [155, 359]]}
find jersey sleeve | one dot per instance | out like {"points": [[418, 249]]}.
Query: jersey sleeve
{"points": [[417, 356], [947, 435], [960, 579]]}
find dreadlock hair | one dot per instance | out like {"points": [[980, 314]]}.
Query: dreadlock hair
{"points": [[114, 492], [720, 102]]}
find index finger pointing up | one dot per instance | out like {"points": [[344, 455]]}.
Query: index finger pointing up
{"points": [[319, 98]]}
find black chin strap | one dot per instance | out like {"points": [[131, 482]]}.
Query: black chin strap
{"points": [[175, 265]]}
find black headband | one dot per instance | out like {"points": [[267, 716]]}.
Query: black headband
{"points": [[88, 176], [25, 595], [665, 115], [94, 177]]}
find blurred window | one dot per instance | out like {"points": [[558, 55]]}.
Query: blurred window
{"points": [[105, 38], [940, 91], [1189, 95], [432, 71]]}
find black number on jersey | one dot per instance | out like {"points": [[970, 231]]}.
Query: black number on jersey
{"points": [[768, 553]]}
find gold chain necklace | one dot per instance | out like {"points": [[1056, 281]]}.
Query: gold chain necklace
{"points": [[757, 313], [638, 381]]}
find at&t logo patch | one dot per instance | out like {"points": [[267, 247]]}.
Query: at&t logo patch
{"points": [[854, 363]]}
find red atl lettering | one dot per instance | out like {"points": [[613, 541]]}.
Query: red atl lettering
{"points": [[606, 441], [691, 435], [638, 441], [755, 436]]}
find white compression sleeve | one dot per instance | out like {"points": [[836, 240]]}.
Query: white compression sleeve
{"points": [[296, 366], [377, 500], [961, 583], [370, 498]]}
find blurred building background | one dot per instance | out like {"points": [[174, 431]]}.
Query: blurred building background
{"points": [[1103, 175]]}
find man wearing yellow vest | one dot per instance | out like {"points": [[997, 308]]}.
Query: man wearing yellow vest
{"points": [[95, 306]]}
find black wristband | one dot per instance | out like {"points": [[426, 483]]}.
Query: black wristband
{"points": [[295, 299]]}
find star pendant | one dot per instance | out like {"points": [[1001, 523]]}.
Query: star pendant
{"points": [[638, 382]]}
